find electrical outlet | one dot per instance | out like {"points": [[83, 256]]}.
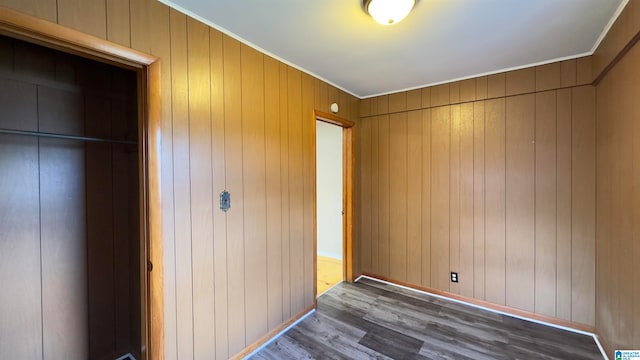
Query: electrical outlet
{"points": [[454, 277]]}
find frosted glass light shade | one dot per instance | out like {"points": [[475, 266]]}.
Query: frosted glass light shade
{"points": [[389, 12]]}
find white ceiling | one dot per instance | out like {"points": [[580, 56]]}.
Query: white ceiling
{"points": [[440, 41]]}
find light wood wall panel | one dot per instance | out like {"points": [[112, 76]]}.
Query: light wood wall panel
{"points": [[274, 191], [563, 204], [583, 187], [440, 184], [545, 202], [520, 201], [201, 174], [375, 194], [454, 191], [414, 197], [398, 195], [364, 195], [495, 221], [254, 177], [503, 159], [466, 248], [384, 213], [479, 200], [617, 127], [182, 191], [426, 197]]}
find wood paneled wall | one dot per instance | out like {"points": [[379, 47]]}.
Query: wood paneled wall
{"points": [[493, 178], [233, 119], [69, 234], [618, 191]]}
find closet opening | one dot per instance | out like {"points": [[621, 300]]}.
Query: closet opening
{"points": [[72, 207]]}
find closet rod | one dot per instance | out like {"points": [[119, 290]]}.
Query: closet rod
{"points": [[68, 137]]}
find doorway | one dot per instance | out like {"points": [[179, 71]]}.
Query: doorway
{"points": [[69, 206], [329, 205], [334, 194], [63, 165]]}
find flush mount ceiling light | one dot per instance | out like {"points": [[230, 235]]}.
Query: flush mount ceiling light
{"points": [[388, 12]]}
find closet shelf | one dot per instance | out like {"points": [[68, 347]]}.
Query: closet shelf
{"points": [[67, 137]]}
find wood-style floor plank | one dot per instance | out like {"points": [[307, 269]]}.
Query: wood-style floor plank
{"points": [[373, 320]]}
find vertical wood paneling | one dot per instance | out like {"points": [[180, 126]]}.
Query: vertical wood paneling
{"points": [[64, 250], [20, 249], [162, 49], [583, 205], [414, 99], [253, 181], [466, 266], [397, 102], [426, 197], [118, 21], [220, 261], [481, 88], [479, 200], [584, 74], [365, 107], [100, 250], [454, 92], [548, 76], [612, 315], [568, 73], [200, 176], [182, 191], [624, 213], [520, 81], [635, 78], [323, 97], [520, 201], [563, 205], [439, 95], [141, 24], [383, 104], [284, 181], [188, 195], [375, 193], [19, 102], [605, 143], [43, 9], [384, 191], [398, 199], [309, 187], [88, 16], [440, 182], [496, 85], [495, 204], [545, 203], [364, 196], [414, 197], [273, 191], [426, 97], [468, 90], [234, 166], [454, 195], [296, 190]]}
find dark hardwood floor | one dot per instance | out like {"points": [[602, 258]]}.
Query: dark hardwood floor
{"points": [[372, 320]]}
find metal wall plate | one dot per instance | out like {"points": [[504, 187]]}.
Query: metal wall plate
{"points": [[225, 201]]}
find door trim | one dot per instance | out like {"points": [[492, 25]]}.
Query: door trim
{"points": [[17, 25], [348, 165]]}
